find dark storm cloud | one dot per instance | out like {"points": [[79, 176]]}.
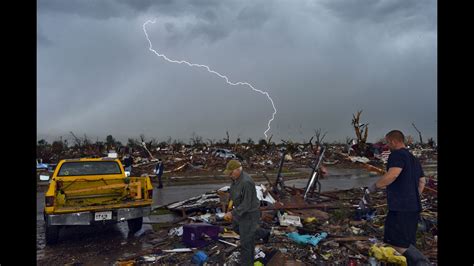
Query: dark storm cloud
{"points": [[321, 61], [254, 16], [379, 10], [106, 9], [85, 8]]}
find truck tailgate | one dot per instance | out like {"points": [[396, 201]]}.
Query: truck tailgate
{"points": [[96, 193]]}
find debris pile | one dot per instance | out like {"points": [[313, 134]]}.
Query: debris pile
{"points": [[326, 228]]}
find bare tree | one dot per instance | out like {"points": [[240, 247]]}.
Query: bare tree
{"points": [[431, 142], [154, 142], [133, 143], [270, 139], [319, 138], [419, 133], [86, 141], [195, 140], [361, 130], [57, 147], [227, 139], [262, 145], [177, 144], [76, 139], [310, 143], [237, 141], [250, 141], [109, 140]]}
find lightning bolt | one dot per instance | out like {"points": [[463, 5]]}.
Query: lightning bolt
{"points": [[213, 72]]}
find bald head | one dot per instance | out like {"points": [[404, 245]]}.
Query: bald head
{"points": [[396, 135], [395, 139]]}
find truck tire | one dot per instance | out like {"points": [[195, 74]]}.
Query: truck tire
{"points": [[51, 234], [135, 224]]}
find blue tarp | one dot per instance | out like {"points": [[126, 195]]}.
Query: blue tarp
{"points": [[42, 166], [307, 239]]}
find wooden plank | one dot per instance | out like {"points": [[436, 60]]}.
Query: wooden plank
{"points": [[230, 235], [301, 206], [228, 243], [351, 238]]}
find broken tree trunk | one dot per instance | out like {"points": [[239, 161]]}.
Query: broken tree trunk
{"points": [[419, 133], [361, 131], [227, 139]]}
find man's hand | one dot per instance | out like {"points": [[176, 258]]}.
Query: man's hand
{"points": [[324, 170], [371, 189], [228, 216]]}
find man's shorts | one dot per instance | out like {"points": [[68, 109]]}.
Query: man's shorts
{"points": [[400, 228]]}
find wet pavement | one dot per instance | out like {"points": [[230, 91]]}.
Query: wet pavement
{"points": [[89, 245], [96, 245], [337, 179]]}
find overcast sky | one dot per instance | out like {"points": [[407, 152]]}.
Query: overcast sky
{"points": [[320, 61]]}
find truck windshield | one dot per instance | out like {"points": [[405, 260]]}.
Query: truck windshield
{"points": [[89, 168]]}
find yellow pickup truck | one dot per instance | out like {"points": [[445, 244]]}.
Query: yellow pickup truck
{"points": [[95, 191]]}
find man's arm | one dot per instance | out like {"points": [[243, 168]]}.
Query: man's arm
{"points": [[388, 177], [421, 184], [244, 206]]}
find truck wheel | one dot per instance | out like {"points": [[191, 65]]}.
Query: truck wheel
{"points": [[51, 233], [135, 224]]}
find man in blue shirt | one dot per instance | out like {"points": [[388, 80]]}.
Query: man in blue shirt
{"points": [[404, 182]]}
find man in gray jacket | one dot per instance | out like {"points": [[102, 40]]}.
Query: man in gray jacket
{"points": [[246, 214]]}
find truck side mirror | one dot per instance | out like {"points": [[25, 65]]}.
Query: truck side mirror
{"points": [[44, 177], [127, 173]]}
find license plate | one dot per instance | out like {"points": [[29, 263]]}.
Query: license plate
{"points": [[102, 216]]}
